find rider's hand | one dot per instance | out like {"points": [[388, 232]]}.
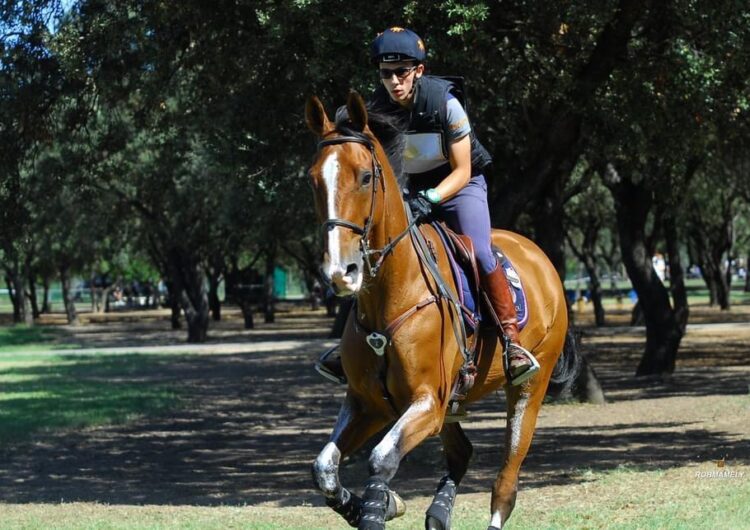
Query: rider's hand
{"points": [[420, 207]]}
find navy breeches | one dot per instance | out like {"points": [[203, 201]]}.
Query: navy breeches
{"points": [[467, 213]]}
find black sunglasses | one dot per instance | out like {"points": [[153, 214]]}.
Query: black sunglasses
{"points": [[401, 72]]}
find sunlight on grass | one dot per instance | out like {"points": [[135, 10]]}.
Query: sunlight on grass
{"points": [[39, 394]]}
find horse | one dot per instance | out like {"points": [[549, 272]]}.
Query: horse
{"points": [[406, 380]]}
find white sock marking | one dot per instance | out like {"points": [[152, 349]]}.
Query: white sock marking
{"points": [[517, 422]]}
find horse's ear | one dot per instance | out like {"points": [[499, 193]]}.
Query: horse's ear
{"points": [[357, 110], [316, 118]]}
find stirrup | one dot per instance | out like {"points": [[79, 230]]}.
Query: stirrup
{"points": [[323, 370], [532, 370], [456, 412]]}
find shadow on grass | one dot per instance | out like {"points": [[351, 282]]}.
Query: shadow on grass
{"points": [[73, 392], [256, 422], [26, 336]]}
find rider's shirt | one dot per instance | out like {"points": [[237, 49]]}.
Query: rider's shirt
{"points": [[425, 151]]}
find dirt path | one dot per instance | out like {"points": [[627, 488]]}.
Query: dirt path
{"points": [[258, 415]]}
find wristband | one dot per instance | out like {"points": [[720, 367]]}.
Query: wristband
{"points": [[432, 195]]}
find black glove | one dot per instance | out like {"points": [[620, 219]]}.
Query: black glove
{"points": [[420, 207]]}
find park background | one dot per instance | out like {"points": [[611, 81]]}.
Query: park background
{"points": [[160, 252]]}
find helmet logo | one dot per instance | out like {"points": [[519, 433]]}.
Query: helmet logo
{"points": [[396, 29], [420, 44]]}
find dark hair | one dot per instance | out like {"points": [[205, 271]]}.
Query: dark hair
{"points": [[388, 129]]}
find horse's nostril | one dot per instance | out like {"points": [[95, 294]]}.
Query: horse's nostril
{"points": [[352, 268]]}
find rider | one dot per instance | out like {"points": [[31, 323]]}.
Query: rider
{"points": [[444, 161]]}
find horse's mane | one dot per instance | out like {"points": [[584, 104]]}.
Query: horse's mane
{"points": [[387, 129]]}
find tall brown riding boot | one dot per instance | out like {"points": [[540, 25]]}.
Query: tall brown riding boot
{"points": [[522, 363]]}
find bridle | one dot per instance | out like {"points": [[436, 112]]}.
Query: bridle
{"points": [[364, 231]]}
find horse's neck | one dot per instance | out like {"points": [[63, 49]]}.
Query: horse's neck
{"points": [[393, 285]]}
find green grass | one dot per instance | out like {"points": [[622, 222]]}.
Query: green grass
{"points": [[41, 393], [621, 499], [15, 337]]}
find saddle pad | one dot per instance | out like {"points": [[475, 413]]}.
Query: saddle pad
{"points": [[466, 291], [516, 288]]}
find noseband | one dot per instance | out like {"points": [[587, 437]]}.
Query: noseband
{"points": [[364, 231]]}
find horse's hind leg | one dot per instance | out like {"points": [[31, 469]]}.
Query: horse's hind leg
{"points": [[458, 451], [523, 408], [352, 429]]}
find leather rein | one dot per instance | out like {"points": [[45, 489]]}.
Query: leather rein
{"points": [[375, 339], [364, 231]]}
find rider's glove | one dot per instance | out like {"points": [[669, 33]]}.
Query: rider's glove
{"points": [[420, 207]]}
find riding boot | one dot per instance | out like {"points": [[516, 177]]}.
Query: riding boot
{"points": [[329, 366], [522, 364]]}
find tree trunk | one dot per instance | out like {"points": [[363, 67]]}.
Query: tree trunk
{"points": [[13, 299], [67, 295], [269, 309], [247, 313], [21, 307], [586, 254], [549, 231], [747, 273], [676, 272], [663, 330], [214, 279], [46, 307], [33, 300], [595, 288], [189, 280], [174, 302], [93, 293]]}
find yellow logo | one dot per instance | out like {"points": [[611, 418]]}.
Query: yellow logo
{"points": [[396, 29], [420, 44]]}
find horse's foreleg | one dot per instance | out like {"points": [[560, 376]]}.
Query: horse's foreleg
{"points": [[352, 429], [458, 451], [421, 419], [523, 409]]}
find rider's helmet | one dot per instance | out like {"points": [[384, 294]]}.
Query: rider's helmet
{"points": [[397, 44]]}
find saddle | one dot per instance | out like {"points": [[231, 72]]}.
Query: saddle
{"points": [[474, 304]]}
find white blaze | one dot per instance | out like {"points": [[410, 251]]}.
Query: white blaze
{"points": [[331, 169]]}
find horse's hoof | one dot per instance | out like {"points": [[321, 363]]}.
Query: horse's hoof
{"points": [[431, 523], [396, 506]]}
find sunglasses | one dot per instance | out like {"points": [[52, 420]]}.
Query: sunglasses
{"points": [[401, 72]]}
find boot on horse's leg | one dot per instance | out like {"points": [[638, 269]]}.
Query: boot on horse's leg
{"points": [[522, 364]]}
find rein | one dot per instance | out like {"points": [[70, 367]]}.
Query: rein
{"points": [[375, 339], [364, 231]]}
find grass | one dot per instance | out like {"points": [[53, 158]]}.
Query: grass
{"points": [[40, 393], [21, 338], [624, 498]]}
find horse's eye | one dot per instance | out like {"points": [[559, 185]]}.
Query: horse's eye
{"points": [[366, 177]]}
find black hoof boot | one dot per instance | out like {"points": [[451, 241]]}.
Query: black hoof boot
{"points": [[374, 505], [439, 513], [348, 506]]}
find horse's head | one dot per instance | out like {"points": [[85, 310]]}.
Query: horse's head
{"points": [[345, 177]]}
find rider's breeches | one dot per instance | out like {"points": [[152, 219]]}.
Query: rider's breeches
{"points": [[467, 213]]}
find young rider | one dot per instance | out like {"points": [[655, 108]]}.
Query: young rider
{"points": [[444, 161]]}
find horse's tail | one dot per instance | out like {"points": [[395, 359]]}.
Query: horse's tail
{"points": [[573, 378]]}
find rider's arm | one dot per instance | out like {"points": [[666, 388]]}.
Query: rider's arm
{"points": [[460, 159]]}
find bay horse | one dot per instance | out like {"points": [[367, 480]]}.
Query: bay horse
{"points": [[368, 253]]}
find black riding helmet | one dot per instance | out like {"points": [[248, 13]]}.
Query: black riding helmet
{"points": [[397, 44]]}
